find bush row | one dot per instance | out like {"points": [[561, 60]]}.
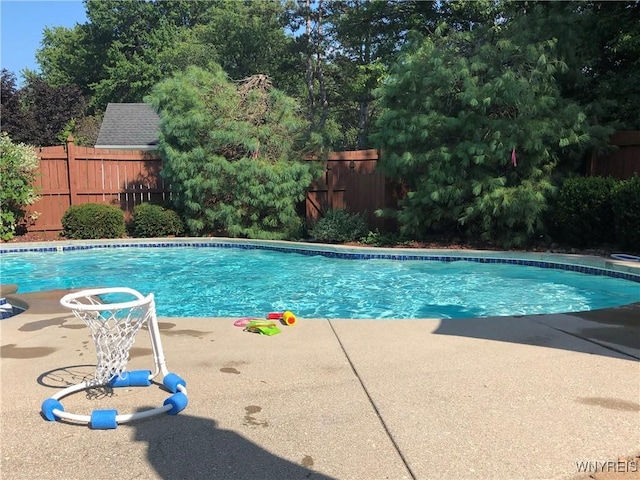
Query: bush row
{"points": [[590, 211], [93, 220]]}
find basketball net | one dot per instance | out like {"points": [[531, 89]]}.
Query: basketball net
{"points": [[113, 328]]}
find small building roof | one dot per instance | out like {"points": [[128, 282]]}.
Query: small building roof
{"points": [[132, 126]]}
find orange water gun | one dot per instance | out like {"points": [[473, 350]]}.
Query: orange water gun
{"points": [[286, 317]]}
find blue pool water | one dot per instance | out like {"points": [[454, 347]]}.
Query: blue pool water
{"points": [[198, 282]]}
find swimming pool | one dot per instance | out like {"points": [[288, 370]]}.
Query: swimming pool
{"points": [[216, 278]]}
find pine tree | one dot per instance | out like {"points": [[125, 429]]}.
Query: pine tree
{"points": [[474, 126], [230, 154]]}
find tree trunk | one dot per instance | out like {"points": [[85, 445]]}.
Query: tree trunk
{"points": [[309, 76], [363, 120], [323, 91]]}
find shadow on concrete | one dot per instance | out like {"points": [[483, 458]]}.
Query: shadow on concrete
{"points": [[64, 377], [613, 332], [190, 447], [194, 448]]}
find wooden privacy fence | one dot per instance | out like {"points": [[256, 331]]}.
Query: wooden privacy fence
{"points": [[350, 181], [623, 162], [72, 175]]}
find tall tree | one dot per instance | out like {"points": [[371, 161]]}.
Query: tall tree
{"points": [[313, 43], [37, 113], [245, 38], [248, 38], [230, 153], [10, 114], [333, 54], [613, 75], [346, 47], [135, 33], [600, 43], [475, 126], [114, 57], [366, 37], [127, 46], [72, 56]]}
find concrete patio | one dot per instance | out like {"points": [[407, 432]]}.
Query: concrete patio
{"points": [[495, 398]]}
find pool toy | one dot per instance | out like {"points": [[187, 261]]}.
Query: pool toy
{"points": [[286, 317], [242, 322], [262, 327], [113, 328], [289, 318], [6, 309]]}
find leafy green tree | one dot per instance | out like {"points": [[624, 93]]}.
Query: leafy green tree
{"points": [[127, 46], [230, 154], [37, 113], [72, 56], [309, 17], [475, 126], [114, 57], [333, 53], [600, 43], [248, 38], [133, 33], [345, 48], [18, 163], [362, 31], [366, 36], [614, 70], [10, 114], [467, 15]]}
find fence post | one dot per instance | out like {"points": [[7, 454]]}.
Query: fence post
{"points": [[72, 171], [329, 187]]}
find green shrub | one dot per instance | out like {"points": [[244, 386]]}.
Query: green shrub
{"points": [[584, 211], [338, 226], [93, 220], [383, 239], [18, 163], [626, 210], [155, 221]]}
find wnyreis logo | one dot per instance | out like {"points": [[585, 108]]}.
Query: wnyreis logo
{"points": [[610, 466]]}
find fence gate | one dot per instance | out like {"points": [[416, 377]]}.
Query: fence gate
{"points": [[349, 182]]}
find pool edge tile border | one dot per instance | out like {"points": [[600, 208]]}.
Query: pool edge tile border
{"points": [[587, 264]]}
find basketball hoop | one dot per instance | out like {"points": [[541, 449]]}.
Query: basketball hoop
{"points": [[114, 327]]}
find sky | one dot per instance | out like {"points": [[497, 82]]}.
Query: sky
{"points": [[22, 24]]}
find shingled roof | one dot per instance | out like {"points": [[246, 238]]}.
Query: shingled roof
{"points": [[132, 126]]}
